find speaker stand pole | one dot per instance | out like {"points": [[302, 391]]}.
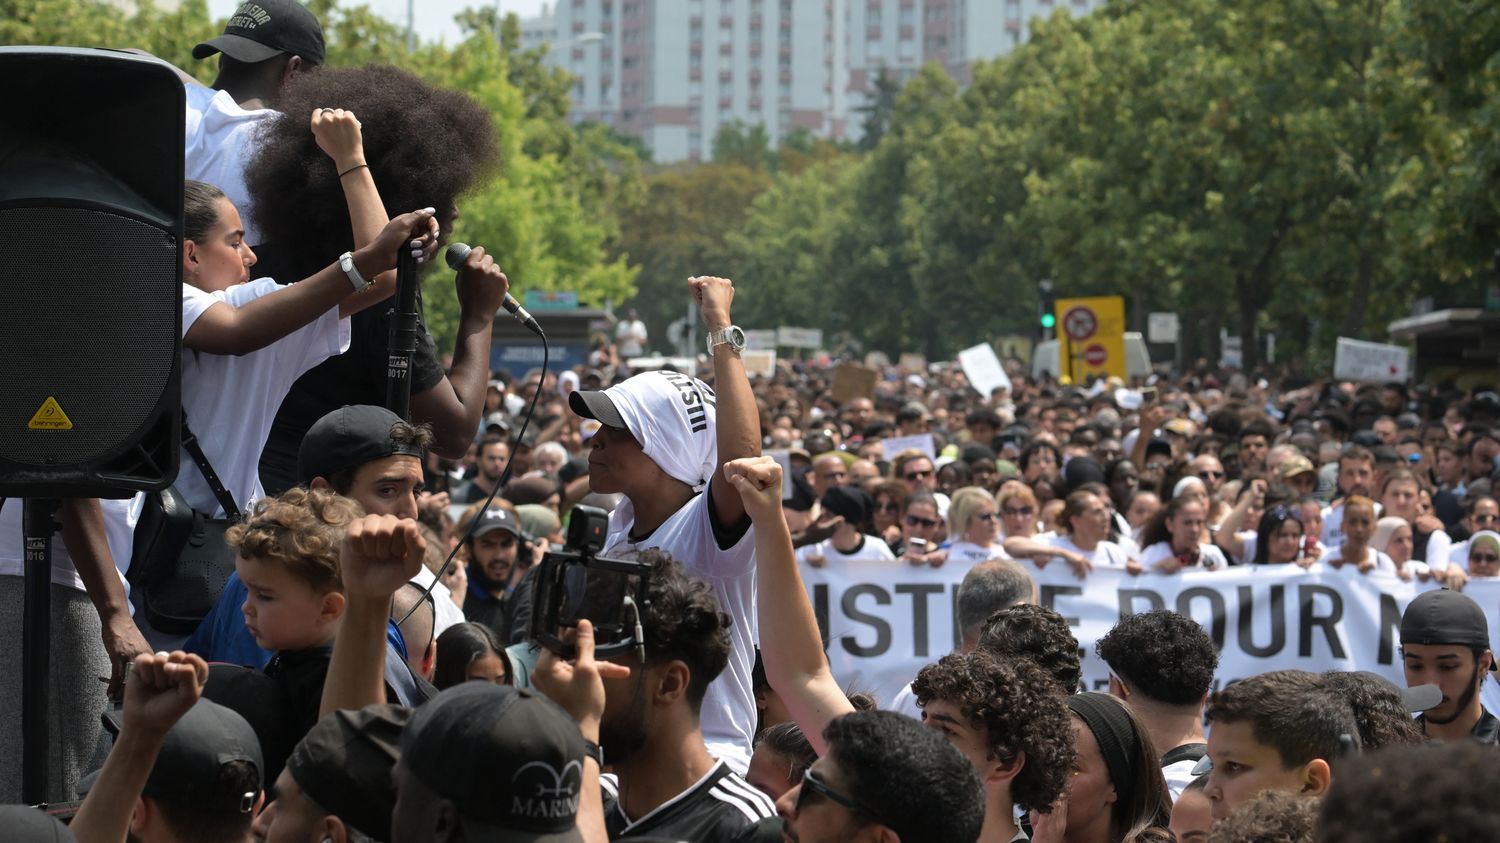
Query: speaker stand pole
{"points": [[38, 516]]}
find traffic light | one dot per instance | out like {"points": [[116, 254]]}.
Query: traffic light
{"points": [[1047, 307]]}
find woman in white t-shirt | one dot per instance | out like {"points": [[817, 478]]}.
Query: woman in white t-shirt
{"points": [[1083, 530], [1173, 539], [1358, 530], [849, 542], [973, 520]]}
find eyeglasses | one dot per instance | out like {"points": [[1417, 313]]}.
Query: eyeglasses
{"points": [[1484, 558], [1485, 519], [1022, 512], [1210, 475], [917, 475], [811, 783], [985, 516], [915, 521]]}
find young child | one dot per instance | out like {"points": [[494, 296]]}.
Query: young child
{"points": [[288, 559], [1282, 730]]}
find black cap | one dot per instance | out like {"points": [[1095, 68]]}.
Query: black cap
{"points": [[344, 765], [263, 29], [504, 756], [25, 824], [1442, 616], [349, 437], [196, 748], [263, 702], [497, 519], [1081, 470], [598, 406]]}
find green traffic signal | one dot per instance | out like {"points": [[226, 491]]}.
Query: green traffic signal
{"points": [[1049, 320]]}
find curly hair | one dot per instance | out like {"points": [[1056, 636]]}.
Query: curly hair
{"points": [[425, 146], [1020, 711], [682, 622], [1379, 713], [1407, 793], [300, 529], [1292, 711], [1161, 655], [908, 777], [1272, 816], [1037, 633]]}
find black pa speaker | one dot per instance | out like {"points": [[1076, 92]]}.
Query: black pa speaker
{"points": [[90, 273]]}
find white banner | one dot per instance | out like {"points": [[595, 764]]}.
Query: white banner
{"points": [[799, 337], [884, 621], [983, 369], [1357, 360]]}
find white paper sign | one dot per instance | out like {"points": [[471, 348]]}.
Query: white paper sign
{"points": [[799, 337], [1161, 327], [1357, 360], [923, 442], [760, 340], [983, 369], [883, 622]]}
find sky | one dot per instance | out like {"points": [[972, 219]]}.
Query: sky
{"points": [[434, 17]]}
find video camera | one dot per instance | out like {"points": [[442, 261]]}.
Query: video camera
{"points": [[576, 583]]}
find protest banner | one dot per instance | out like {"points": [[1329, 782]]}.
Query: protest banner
{"points": [[1357, 360], [894, 445], [884, 621], [850, 381], [983, 369]]}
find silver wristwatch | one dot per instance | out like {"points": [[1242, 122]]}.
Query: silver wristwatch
{"points": [[731, 336], [346, 263]]}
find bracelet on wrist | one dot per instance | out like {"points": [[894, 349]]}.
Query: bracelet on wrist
{"points": [[352, 169]]}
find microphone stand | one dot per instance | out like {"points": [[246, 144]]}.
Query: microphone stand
{"points": [[403, 337], [37, 516]]}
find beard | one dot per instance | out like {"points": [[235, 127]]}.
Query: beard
{"points": [[622, 735], [476, 573], [1461, 704]]}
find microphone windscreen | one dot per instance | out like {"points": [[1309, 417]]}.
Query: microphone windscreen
{"points": [[456, 255]]}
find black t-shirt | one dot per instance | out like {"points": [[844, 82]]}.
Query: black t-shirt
{"points": [[355, 377], [717, 809]]}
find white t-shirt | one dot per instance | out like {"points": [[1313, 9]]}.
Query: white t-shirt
{"points": [[117, 530], [871, 548], [231, 401], [970, 553], [447, 611], [1458, 555], [905, 702], [631, 335], [220, 137], [1210, 558], [1336, 554], [1179, 774], [1439, 549], [1333, 524], [1106, 554], [729, 714]]}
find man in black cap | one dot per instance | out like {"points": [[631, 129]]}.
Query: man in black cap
{"points": [[182, 768], [265, 45], [1445, 641], [338, 779], [492, 551], [848, 543]]}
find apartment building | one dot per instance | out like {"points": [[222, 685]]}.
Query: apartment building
{"points": [[673, 71]]}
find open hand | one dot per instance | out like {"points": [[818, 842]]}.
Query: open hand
{"points": [[380, 553], [578, 685]]}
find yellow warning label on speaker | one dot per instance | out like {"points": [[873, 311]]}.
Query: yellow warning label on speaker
{"points": [[50, 416]]}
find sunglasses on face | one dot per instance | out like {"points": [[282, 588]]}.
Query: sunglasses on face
{"points": [[985, 516], [1486, 519], [926, 523], [1021, 512], [1210, 475], [917, 475], [816, 787], [1484, 558]]}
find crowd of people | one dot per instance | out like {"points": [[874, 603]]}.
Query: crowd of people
{"points": [[571, 605]]}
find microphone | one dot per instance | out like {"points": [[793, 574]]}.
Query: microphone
{"points": [[458, 253]]}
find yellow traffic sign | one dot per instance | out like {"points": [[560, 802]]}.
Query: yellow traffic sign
{"points": [[1091, 341]]}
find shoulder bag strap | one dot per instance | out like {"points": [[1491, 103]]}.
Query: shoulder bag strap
{"points": [[226, 500]]}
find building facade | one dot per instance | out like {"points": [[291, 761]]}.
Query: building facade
{"points": [[672, 72]]}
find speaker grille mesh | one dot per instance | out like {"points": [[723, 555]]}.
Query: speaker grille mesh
{"points": [[91, 322]]}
